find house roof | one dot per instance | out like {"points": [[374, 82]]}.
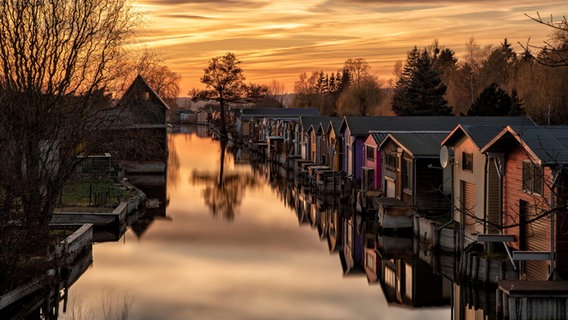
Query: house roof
{"points": [[362, 126], [140, 84], [547, 145], [139, 107], [313, 122], [418, 144], [279, 111], [480, 135], [335, 125]]}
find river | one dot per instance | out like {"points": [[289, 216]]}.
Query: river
{"points": [[229, 250]]}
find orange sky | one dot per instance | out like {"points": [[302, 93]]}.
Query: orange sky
{"points": [[277, 40]]}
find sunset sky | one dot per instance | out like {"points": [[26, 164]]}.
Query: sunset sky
{"points": [[277, 40]]}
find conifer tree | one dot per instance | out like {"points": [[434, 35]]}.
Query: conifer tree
{"points": [[420, 91]]}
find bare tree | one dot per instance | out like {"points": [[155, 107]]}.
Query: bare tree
{"points": [[225, 76], [554, 52], [277, 91], [358, 70], [151, 65], [362, 99], [59, 60]]}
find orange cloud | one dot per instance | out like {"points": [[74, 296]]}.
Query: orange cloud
{"points": [[279, 40]]}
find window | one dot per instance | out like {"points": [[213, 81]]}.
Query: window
{"points": [[467, 161], [533, 178], [407, 174], [390, 159], [370, 153]]}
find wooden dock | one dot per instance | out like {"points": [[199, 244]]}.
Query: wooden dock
{"points": [[525, 299]]}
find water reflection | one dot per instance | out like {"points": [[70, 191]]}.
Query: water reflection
{"points": [[288, 254], [223, 192], [390, 260]]}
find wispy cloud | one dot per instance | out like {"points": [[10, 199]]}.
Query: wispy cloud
{"points": [[278, 40]]}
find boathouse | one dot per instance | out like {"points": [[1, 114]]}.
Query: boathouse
{"points": [[534, 188]]}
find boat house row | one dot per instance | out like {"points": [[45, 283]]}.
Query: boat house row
{"points": [[496, 181]]}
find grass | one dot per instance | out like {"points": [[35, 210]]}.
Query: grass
{"points": [[90, 194]]}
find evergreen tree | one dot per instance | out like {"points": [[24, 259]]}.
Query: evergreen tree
{"points": [[494, 101], [420, 90]]}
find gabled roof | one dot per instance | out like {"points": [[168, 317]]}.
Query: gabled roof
{"points": [[480, 135], [362, 126], [418, 144], [308, 123], [547, 145], [140, 84], [335, 125], [257, 112]]}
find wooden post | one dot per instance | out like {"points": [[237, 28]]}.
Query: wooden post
{"points": [[475, 268], [499, 303]]}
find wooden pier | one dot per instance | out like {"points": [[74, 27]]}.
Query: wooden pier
{"points": [[535, 300]]}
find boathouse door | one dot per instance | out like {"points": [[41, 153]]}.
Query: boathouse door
{"points": [[467, 207], [390, 188]]}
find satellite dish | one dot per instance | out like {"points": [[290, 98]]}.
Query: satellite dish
{"points": [[444, 156]]}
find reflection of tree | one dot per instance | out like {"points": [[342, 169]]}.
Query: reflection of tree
{"points": [[173, 163], [224, 193]]}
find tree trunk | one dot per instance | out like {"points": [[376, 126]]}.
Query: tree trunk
{"points": [[223, 129]]}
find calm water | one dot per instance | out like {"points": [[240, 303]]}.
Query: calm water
{"points": [[230, 252]]}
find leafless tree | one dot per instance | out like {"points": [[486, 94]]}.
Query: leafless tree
{"points": [[553, 52], [59, 61], [151, 65]]}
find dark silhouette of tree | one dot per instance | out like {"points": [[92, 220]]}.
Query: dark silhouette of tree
{"points": [[164, 81], [554, 52], [224, 192], [58, 62], [494, 101], [499, 66], [226, 79], [420, 91]]}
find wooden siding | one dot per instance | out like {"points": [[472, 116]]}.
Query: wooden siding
{"points": [[562, 228], [428, 188], [358, 157], [493, 197], [513, 193], [467, 206], [533, 236], [347, 155], [475, 177], [376, 164], [378, 170]]}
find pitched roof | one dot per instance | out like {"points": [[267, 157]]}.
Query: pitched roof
{"points": [[480, 135], [418, 144], [362, 126], [314, 122], [548, 145], [140, 84], [335, 124], [279, 111]]}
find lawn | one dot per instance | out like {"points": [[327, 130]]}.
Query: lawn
{"points": [[88, 194]]}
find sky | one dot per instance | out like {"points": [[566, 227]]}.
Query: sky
{"points": [[278, 40]]}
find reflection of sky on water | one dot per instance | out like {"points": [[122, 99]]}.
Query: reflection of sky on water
{"points": [[262, 265]]}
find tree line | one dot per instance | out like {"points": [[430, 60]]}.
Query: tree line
{"points": [[487, 80]]}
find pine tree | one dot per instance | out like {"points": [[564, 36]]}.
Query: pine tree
{"points": [[494, 101], [420, 90]]}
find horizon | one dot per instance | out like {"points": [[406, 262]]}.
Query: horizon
{"points": [[278, 41]]}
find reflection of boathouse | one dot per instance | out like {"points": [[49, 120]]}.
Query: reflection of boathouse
{"points": [[412, 282]]}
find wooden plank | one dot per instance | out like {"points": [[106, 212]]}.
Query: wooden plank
{"points": [[496, 237], [531, 255]]}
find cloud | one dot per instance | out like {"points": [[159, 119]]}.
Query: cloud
{"points": [[275, 40]]}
